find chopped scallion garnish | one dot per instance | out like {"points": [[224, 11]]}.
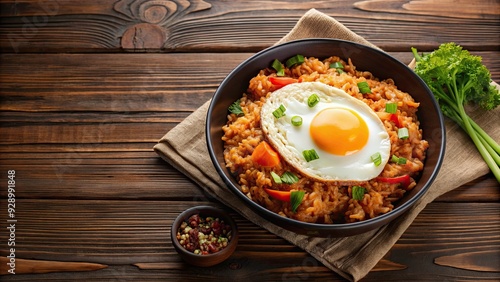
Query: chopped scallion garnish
{"points": [[276, 177], [364, 88], [278, 66], [402, 160], [297, 120], [340, 71], [394, 159], [296, 198], [358, 192], [279, 112], [297, 59], [403, 133], [391, 108], [336, 65], [313, 100], [235, 108], [398, 160], [376, 158], [310, 155], [289, 178]]}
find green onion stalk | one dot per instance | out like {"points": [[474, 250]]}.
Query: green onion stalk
{"points": [[457, 78]]}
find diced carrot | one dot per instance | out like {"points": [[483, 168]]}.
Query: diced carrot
{"points": [[265, 155]]}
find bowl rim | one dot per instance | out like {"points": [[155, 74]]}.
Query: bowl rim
{"points": [[321, 227], [205, 210]]}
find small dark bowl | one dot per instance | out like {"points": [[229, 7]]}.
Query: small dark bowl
{"points": [[364, 58], [210, 259]]}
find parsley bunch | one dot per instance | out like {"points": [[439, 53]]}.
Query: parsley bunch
{"points": [[457, 78]]}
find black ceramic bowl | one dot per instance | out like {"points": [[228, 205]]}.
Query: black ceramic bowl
{"points": [[365, 58], [209, 259]]}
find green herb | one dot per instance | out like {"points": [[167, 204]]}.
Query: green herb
{"points": [[276, 177], [278, 66], [394, 159], [402, 160], [279, 112], [235, 108], [297, 59], [376, 158], [403, 133], [296, 121], [358, 193], [391, 108], [313, 100], [296, 198], [310, 155], [398, 160], [364, 88], [289, 178], [457, 78], [336, 65]]}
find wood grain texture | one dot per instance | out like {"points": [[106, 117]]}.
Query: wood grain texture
{"points": [[77, 121], [445, 8], [29, 266], [134, 233], [88, 87], [196, 25]]}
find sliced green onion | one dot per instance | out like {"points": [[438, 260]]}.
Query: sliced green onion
{"points": [[279, 112], [278, 66], [402, 160], [403, 133], [336, 65], [235, 108], [297, 59], [394, 159], [296, 198], [289, 178], [340, 71], [358, 192], [276, 178], [310, 155], [296, 120], [376, 158], [313, 100], [391, 108], [364, 88], [398, 160]]}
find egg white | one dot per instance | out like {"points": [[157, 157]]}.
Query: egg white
{"points": [[290, 141]]}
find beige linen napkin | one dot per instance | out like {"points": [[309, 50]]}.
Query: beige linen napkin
{"points": [[184, 147]]}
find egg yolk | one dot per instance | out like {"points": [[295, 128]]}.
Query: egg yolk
{"points": [[339, 131]]}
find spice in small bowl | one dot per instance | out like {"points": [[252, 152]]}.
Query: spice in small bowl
{"points": [[204, 235]]}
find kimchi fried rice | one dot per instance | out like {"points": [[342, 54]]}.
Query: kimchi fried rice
{"points": [[326, 201]]}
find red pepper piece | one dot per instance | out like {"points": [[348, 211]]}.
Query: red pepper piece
{"points": [[395, 118], [404, 180], [279, 195], [281, 81]]}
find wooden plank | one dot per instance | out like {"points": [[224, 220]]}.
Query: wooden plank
{"points": [[139, 175], [121, 234], [122, 83], [197, 25], [78, 124]]}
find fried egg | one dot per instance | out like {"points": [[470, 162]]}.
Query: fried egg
{"points": [[343, 131]]}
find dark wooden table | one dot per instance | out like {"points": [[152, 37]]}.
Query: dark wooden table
{"points": [[88, 87]]}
